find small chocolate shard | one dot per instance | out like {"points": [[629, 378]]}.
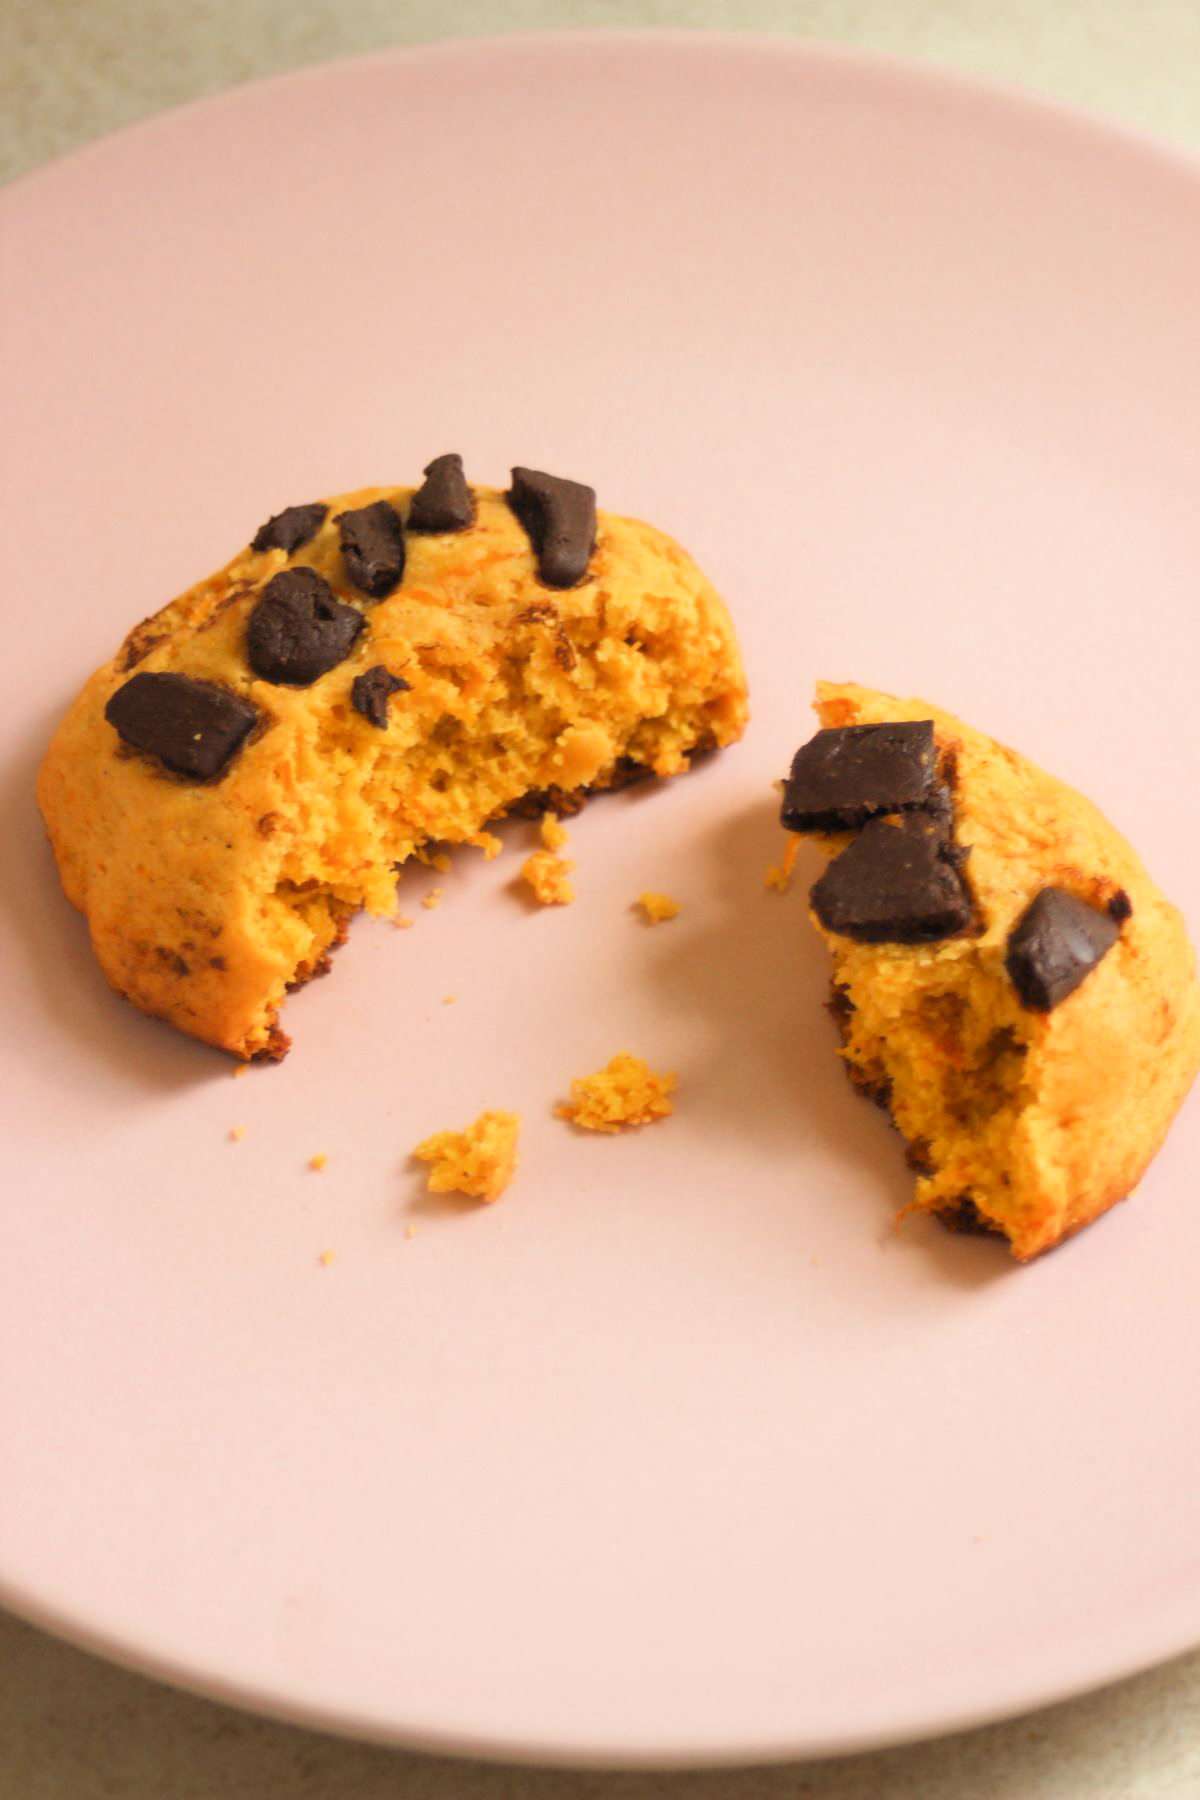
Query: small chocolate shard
{"points": [[371, 691], [192, 727], [840, 1008], [897, 882], [373, 547], [300, 630], [848, 774], [1120, 907], [444, 501], [289, 529], [1055, 944], [560, 520]]}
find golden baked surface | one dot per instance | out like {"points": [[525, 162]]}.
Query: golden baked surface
{"points": [[1022, 1121], [207, 900]]}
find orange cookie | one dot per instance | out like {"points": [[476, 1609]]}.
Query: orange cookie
{"points": [[373, 673], [1007, 979]]}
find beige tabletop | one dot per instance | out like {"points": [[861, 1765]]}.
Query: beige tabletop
{"points": [[71, 1727]]}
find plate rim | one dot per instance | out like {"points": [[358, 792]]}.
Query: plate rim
{"points": [[945, 80]]}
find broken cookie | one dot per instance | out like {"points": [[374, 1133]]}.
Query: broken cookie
{"points": [[1007, 980]]}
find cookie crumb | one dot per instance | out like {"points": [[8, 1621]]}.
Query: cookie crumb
{"points": [[478, 1162], [433, 898], [552, 831], [240, 1069], [318, 1161], [237, 1133], [547, 875], [779, 875], [326, 1257], [410, 1231], [658, 907], [402, 923], [449, 999], [488, 842], [626, 1092]]}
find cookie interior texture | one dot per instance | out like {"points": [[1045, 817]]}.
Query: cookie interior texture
{"points": [[208, 900], [1018, 1121]]}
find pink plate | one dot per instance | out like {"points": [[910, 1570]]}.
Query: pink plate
{"points": [[680, 1453]]}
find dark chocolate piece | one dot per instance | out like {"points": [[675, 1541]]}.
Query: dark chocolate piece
{"points": [[848, 774], [288, 529], [1057, 941], [560, 519], [373, 547], [371, 691], [898, 882], [1120, 907], [300, 630], [193, 727], [443, 502]]}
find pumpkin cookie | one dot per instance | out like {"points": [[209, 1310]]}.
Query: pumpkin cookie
{"points": [[1007, 980], [371, 673]]}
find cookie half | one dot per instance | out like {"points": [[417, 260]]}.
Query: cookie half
{"points": [[371, 673], [1007, 980]]}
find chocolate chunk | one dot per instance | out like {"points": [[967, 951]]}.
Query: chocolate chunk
{"points": [[373, 547], [443, 502], [299, 630], [848, 774], [288, 529], [1120, 907], [193, 727], [560, 519], [371, 691], [1056, 942], [898, 882]]}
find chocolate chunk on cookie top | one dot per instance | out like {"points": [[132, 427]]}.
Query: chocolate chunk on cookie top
{"points": [[560, 520], [300, 630], [371, 691], [373, 547], [289, 529], [192, 727], [443, 502], [848, 774], [898, 882], [1055, 944]]}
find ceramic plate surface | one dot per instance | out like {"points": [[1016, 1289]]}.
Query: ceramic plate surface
{"points": [[680, 1452]]}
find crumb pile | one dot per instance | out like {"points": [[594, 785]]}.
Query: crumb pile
{"points": [[658, 907], [549, 877], [478, 1162], [545, 872], [626, 1092], [1008, 981], [372, 674]]}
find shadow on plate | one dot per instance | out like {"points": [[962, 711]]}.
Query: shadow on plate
{"points": [[756, 979]]}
